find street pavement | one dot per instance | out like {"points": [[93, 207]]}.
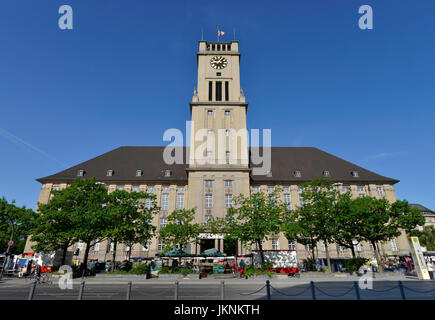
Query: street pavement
{"points": [[326, 288]]}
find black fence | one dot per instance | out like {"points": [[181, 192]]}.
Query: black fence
{"points": [[354, 290]]}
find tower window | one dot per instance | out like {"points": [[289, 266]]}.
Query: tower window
{"points": [[218, 91], [227, 93], [210, 91]]}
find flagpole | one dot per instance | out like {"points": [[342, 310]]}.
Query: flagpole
{"points": [[217, 33]]}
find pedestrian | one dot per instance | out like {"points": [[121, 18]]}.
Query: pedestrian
{"points": [[374, 264], [430, 268], [242, 268], [38, 273]]}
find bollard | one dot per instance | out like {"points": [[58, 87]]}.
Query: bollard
{"points": [[176, 290], [402, 291], [222, 290], [268, 289], [82, 288], [32, 290], [313, 290], [128, 290], [355, 284]]}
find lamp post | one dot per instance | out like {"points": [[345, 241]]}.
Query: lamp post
{"points": [[9, 244]]}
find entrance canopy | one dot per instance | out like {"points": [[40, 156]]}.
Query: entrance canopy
{"points": [[213, 252], [174, 253]]}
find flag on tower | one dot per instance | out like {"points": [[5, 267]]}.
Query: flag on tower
{"points": [[220, 33]]}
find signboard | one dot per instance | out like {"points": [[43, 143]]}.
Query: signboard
{"points": [[218, 268], [10, 243], [417, 256], [210, 236]]}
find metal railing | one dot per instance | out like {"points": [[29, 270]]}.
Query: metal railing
{"points": [[315, 289]]}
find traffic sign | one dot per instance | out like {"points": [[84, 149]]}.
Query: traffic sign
{"points": [[10, 243]]}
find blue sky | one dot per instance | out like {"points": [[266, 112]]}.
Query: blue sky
{"points": [[127, 70]]}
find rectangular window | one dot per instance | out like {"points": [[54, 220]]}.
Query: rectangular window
{"points": [[356, 246], [227, 154], [165, 201], [287, 201], [286, 188], [208, 183], [148, 203], [120, 188], [361, 195], [393, 244], [210, 91], [228, 183], [218, 91], [135, 188], [255, 189], [380, 191], [180, 201], [207, 219], [227, 91], [208, 201], [361, 188], [301, 200], [163, 222], [270, 189], [228, 200], [160, 245], [275, 244], [127, 248], [227, 133], [292, 244], [322, 245], [165, 188], [210, 112]]}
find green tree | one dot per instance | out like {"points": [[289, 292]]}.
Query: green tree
{"points": [[351, 219], [315, 217], [253, 219], [427, 238], [130, 215], [180, 229], [85, 201], [54, 226], [16, 220], [406, 218]]}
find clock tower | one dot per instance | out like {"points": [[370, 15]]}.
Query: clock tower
{"points": [[218, 167]]}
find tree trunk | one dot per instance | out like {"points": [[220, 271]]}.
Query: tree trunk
{"points": [[328, 259], [380, 267], [260, 246], [85, 259], [353, 251], [114, 256], [65, 249]]}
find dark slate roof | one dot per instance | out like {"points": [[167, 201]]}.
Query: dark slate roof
{"points": [[311, 162], [421, 208], [124, 161]]}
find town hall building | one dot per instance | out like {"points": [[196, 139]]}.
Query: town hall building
{"points": [[214, 170]]}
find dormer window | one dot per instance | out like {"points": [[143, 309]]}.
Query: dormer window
{"points": [[80, 173], [326, 173], [354, 174], [269, 174], [110, 173], [138, 173], [168, 173], [297, 174]]}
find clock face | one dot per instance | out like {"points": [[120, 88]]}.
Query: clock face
{"points": [[218, 62]]}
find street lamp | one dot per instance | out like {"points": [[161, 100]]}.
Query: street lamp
{"points": [[10, 243]]}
